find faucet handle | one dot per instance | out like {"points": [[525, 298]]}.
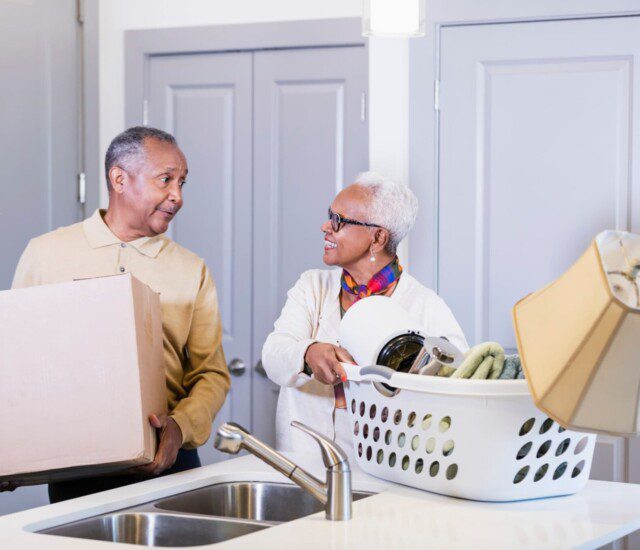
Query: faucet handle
{"points": [[332, 454]]}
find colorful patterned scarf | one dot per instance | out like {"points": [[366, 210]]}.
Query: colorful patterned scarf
{"points": [[380, 282]]}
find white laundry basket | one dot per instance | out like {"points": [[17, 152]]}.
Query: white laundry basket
{"points": [[474, 439]]}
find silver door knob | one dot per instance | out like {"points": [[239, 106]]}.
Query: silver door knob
{"points": [[237, 367]]}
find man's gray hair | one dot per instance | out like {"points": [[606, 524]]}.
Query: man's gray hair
{"points": [[127, 148], [392, 205]]}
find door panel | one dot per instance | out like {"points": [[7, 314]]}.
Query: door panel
{"points": [[205, 101], [38, 142], [39, 130], [535, 158], [310, 140]]}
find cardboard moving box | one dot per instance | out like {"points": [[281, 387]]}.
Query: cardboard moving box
{"points": [[81, 370]]}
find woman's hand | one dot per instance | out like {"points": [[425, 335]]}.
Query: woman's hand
{"points": [[324, 361]]}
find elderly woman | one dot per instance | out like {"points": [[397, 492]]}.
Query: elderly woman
{"points": [[367, 221]]}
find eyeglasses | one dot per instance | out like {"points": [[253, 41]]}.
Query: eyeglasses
{"points": [[337, 221]]}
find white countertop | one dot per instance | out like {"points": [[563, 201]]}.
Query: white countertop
{"points": [[397, 517]]}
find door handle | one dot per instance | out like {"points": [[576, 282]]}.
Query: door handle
{"points": [[260, 369], [237, 367]]}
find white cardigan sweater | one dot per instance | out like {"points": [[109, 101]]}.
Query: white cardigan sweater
{"points": [[312, 314]]}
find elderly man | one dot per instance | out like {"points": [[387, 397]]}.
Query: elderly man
{"points": [[145, 172]]}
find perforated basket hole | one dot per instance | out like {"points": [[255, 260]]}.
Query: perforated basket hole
{"points": [[561, 429], [444, 424], [431, 445], [452, 471], [419, 466], [426, 421], [447, 447], [362, 408], [527, 426], [581, 445], [376, 433], [544, 448], [560, 470], [401, 440], [578, 469], [411, 420], [365, 431], [397, 417], [521, 475], [353, 406], [415, 442], [546, 426], [392, 459], [387, 437], [372, 412], [380, 456], [369, 453], [542, 471], [359, 449], [405, 463], [524, 450], [356, 428], [564, 445], [434, 468], [384, 415]]}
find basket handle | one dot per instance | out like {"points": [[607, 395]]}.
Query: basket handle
{"points": [[377, 370]]}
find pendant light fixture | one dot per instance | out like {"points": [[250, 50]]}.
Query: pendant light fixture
{"points": [[401, 18]]}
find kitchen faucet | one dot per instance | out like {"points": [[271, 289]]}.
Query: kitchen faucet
{"points": [[335, 494]]}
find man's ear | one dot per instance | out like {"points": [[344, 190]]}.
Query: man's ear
{"points": [[117, 178]]}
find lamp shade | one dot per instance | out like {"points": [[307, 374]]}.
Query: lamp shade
{"points": [[579, 339]]}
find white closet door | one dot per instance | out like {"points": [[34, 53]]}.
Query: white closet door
{"points": [[205, 100], [536, 156], [310, 139]]}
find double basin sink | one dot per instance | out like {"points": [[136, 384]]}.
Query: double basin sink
{"points": [[204, 516]]}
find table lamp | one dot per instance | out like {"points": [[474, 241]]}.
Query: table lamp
{"points": [[579, 339]]}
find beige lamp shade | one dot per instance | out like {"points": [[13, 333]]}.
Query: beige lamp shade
{"points": [[579, 339]]}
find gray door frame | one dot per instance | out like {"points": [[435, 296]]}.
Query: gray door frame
{"points": [[89, 132], [140, 45]]}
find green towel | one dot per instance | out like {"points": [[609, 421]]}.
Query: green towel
{"points": [[482, 362]]}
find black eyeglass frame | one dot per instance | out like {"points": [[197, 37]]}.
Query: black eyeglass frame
{"points": [[340, 221]]}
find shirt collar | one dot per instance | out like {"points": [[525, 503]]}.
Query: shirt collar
{"points": [[98, 235]]}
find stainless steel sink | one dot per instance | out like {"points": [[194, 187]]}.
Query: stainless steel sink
{"points": [[155, 529], [204, 516], [261, 501]]}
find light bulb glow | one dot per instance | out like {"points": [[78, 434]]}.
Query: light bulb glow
{"points": [[393, 18]]}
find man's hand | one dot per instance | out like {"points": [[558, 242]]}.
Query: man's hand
{"points": [[324, 361], [8, 486], [169, 443]]}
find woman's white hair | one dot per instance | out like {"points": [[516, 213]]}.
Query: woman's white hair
{"points": [[392, 205]]}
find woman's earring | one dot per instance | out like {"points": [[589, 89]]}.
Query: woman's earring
{"points": [[373, 256]]}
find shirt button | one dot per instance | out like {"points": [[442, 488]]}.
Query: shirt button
{"points": [[123, 245], [122, 270]]}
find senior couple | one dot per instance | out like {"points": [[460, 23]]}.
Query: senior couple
{"points": [[145, 172]]}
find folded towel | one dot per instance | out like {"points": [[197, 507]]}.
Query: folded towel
{"points": [[512, 368], [486, 361], [482, 362]]}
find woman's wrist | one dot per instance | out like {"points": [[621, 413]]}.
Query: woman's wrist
{"points": [[306, 369]]}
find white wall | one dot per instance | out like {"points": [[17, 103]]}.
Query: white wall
{"points": [[388, 63]]}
